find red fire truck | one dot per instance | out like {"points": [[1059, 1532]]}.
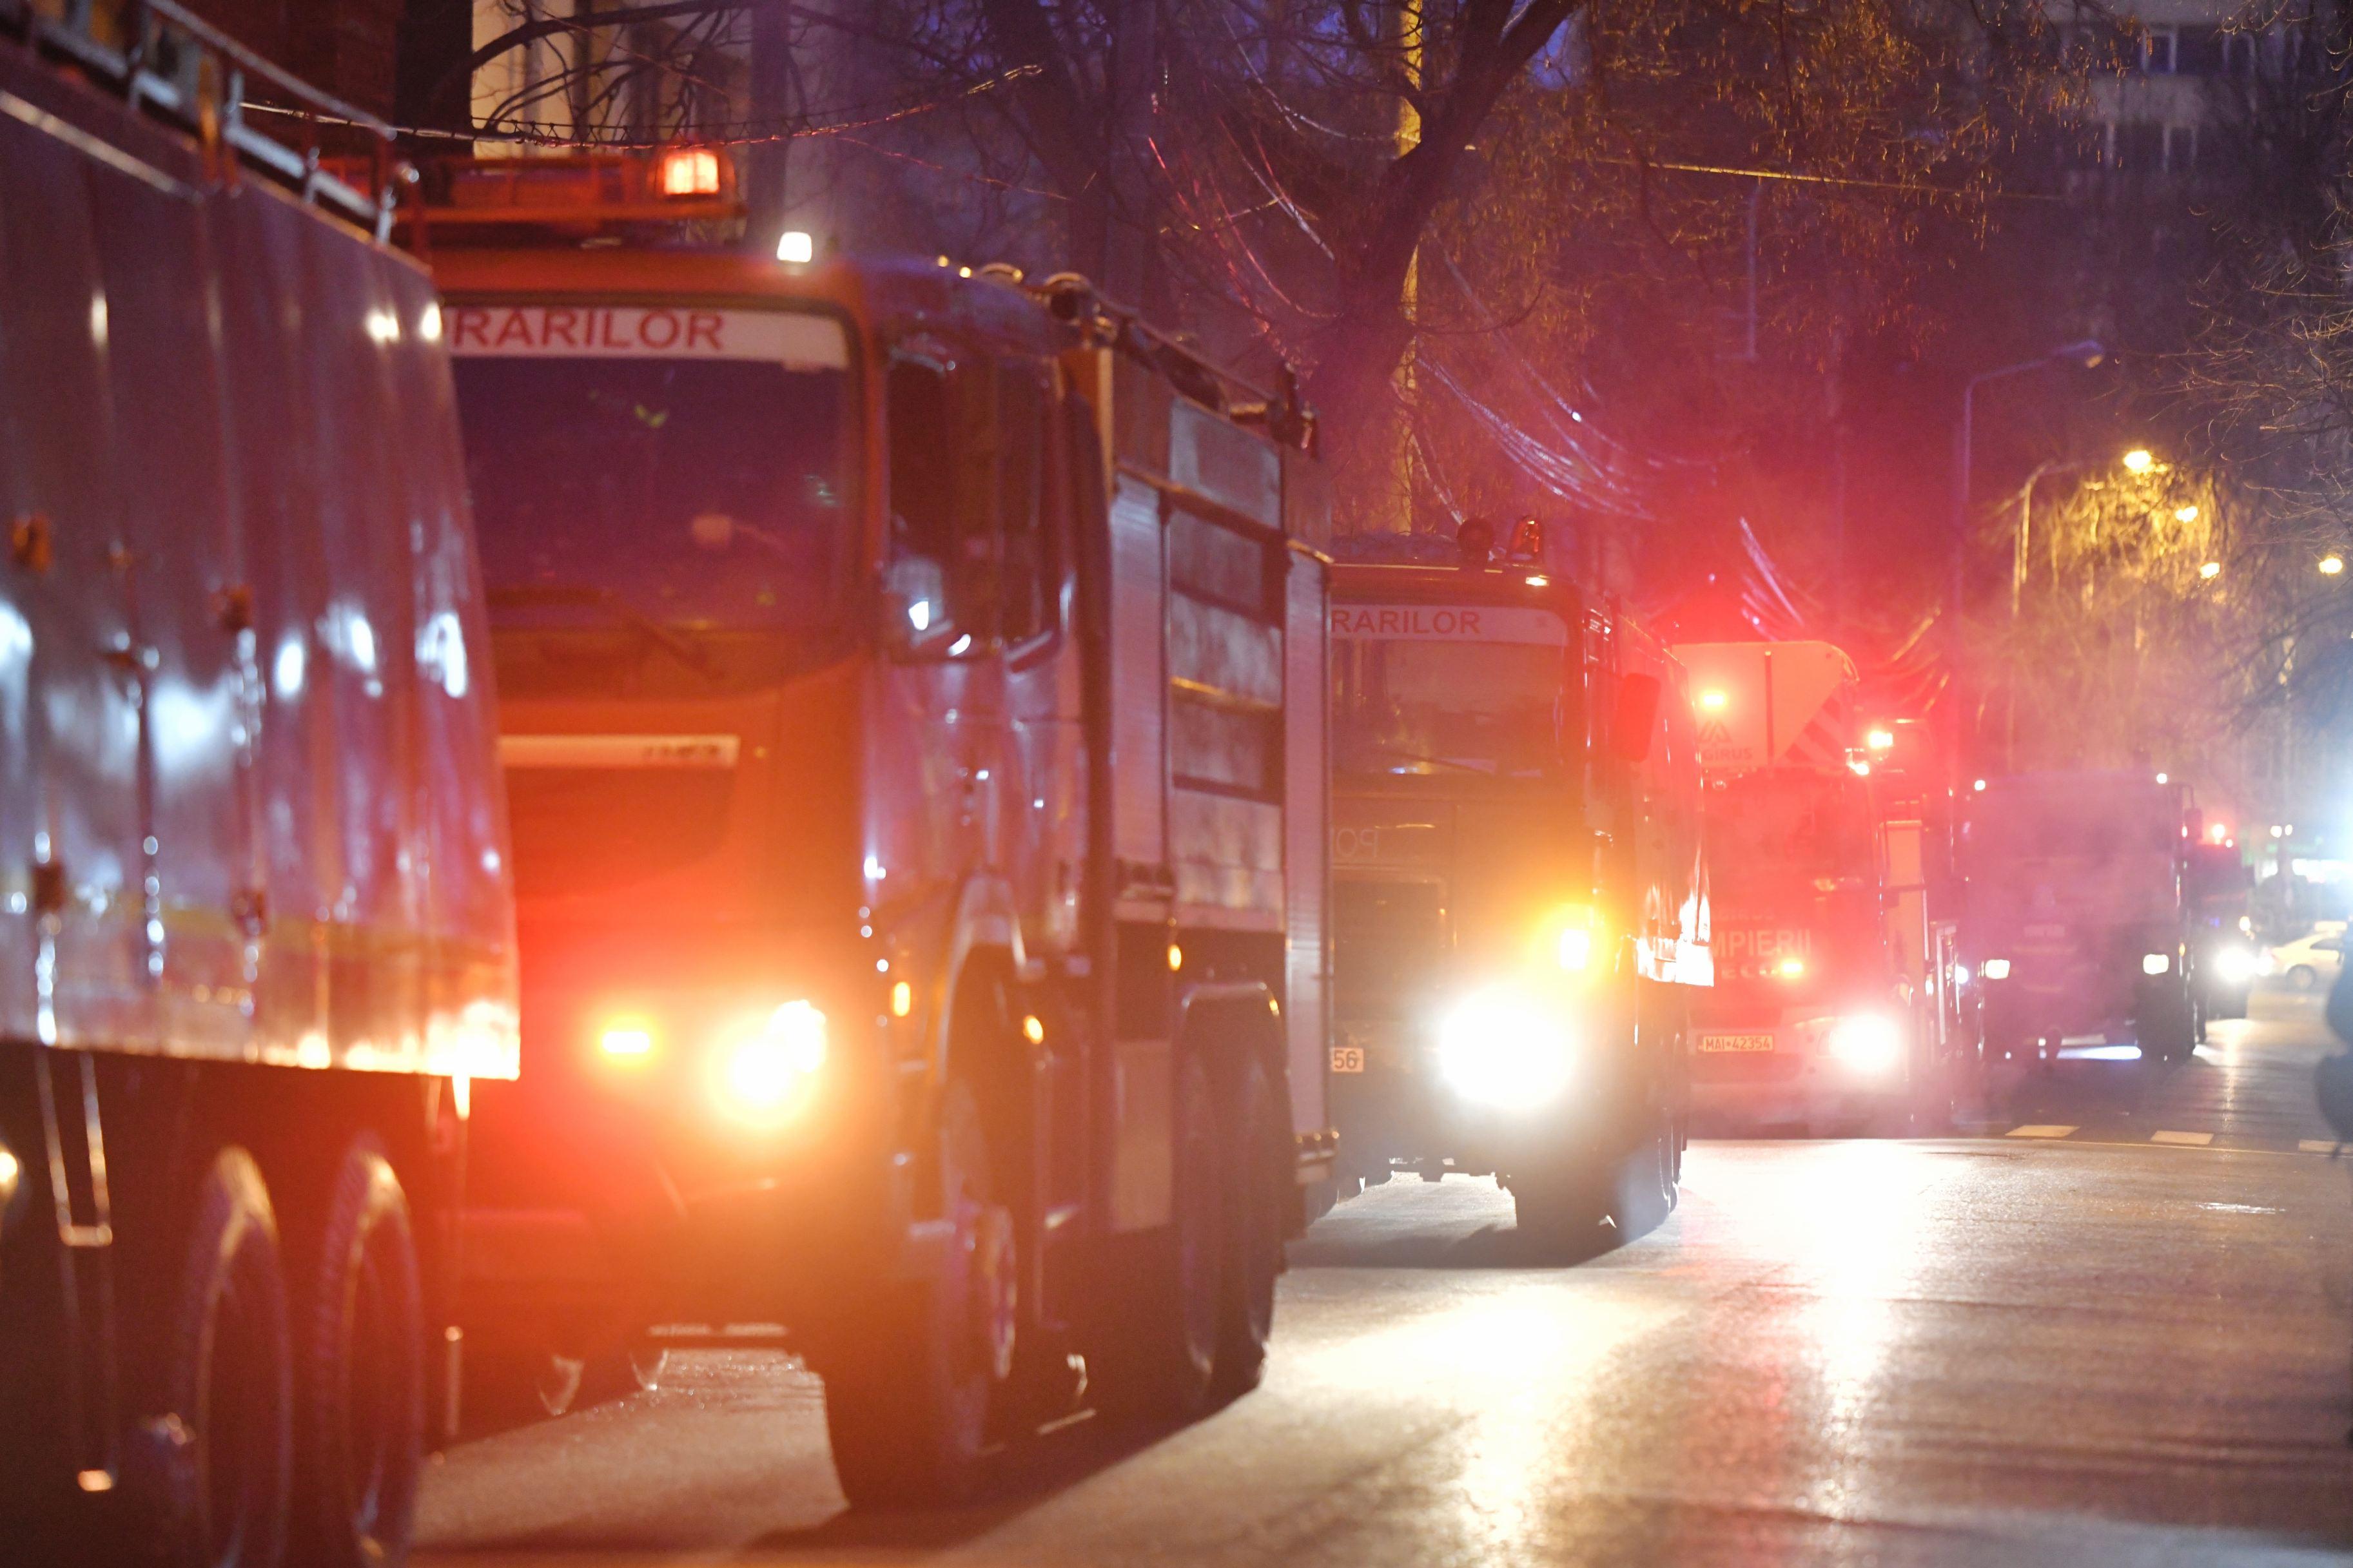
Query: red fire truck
{"points": [[1520, 902], [1834, 1006], [256, 931], [912, 703]]}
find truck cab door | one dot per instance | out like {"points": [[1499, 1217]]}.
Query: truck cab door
{"points": [[944, 709], [1046, 844]]}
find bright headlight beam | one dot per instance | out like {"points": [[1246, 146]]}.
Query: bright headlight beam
{"points": [[1498, 1048], [765, 1068], [1997, 968], [2156, 963], [1866, 1043]]}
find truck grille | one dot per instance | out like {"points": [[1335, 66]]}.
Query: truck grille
{"points": [[1389, 940]]}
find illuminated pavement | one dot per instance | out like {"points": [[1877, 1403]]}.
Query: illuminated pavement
{"points": [[2084, 1350]]}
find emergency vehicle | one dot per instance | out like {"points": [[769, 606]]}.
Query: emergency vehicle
{"points": [[912, 705], [2227, 959], [1834, 1006], [255, 928], [1520, 902], [2081, 915]]}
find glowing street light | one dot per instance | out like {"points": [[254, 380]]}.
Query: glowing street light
{"points": [[2330, 565], [2185, 514], [2139, 460], [2211, 570]]}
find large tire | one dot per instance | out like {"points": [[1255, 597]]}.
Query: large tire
{"points": [[909, 1404], [2304, 977], [1645, 1192], [1560, 1211], [1258, 1169], [228, 1374], [362, 1385], [2168, 1030], [1161, 1364]]}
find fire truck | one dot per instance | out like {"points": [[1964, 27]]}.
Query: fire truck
{"points": [[2082, 914], [913, 698], [256, 926], [1834, 1005], [1520, 904]]}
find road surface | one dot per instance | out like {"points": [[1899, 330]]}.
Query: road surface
{"points": [[2110, 1327]]}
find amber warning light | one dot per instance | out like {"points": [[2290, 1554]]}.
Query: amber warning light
{"points": [[690, 171]]}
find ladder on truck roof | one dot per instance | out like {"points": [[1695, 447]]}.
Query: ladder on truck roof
{"points": [[172, 64]]}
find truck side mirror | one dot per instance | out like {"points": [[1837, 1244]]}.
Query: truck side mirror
{"points": [[1637, 718]]}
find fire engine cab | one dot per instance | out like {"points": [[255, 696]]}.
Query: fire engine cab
{"points": [[1520, 898], [912, 690]]}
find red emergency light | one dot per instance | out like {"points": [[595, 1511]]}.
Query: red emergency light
{"points": [[580, 194]]}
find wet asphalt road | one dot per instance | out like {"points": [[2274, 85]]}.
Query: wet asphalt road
{"points": [[2064, 1338]]}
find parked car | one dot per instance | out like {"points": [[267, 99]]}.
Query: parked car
{"points": [[2311, 961]]}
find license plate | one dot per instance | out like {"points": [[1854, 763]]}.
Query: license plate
{"points": [[1736, 1042], [1347, 1058]]}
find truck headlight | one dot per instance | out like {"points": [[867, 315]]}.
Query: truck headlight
{"points": [[2234, 963], [2156, 963], [1997, 968], [765, 1067], [1866, 1043], [1500, 1048]]}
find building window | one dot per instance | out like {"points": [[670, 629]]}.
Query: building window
{"points": [[2137, 147], [2156, 51], [2198, 52], [2180, 149]]}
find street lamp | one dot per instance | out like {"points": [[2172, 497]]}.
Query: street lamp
{"points": [[2139, 460], [2330, 565], [2211, 570], [2087, 354]]}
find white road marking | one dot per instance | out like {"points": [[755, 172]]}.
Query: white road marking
{"points": [[2039, 1130], [2316, 1145], [2188, 1139]]}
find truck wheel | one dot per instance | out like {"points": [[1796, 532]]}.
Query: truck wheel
{"points": [[2168, 1031], [2304, 977], [1256, 1169], [1560, 1212], [229, 1378], [1165, 1348], [362, 1389], [908, 1405], [1646, 1191]]}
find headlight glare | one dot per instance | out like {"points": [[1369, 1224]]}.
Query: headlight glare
{"points": [[1500, 1048], [2234, 963], [2156, 963], [768, 1065], [1866, 1043], [1997, 968], [626, 1039]]}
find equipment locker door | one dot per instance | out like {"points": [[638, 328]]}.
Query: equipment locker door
{"points": [[73, 669]]}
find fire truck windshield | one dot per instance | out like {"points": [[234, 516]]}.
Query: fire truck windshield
{"points": [[1776, 830], [698, 493], [2093, 829], [1408, 707]]}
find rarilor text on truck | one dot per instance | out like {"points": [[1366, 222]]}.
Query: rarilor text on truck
{"points": [[256, 931], [912, 698]]}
